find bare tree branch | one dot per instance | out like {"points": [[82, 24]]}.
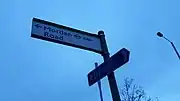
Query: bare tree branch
{"points": [[132, 92]]}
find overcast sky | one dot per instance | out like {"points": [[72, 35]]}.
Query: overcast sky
{"points": [[37, 70]]}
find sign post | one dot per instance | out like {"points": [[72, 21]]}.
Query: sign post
{"points": [[76, 38], [99, 85], [111, 77], [108, 66]]}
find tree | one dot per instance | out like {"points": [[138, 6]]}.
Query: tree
{"points": [[132, 92]]}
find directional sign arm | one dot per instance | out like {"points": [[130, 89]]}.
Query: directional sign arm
{"points": [[65, 35], [116, 61]]}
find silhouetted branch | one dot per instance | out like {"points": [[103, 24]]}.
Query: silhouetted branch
{"points": [[132, 92]]}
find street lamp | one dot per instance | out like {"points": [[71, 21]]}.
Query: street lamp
{"points": [[161, 35]]}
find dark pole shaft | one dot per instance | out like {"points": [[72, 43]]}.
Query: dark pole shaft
{"points": [[99, 85], [111, 77], [175, 50]]}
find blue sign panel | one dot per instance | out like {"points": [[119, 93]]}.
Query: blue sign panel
{"points": [[114, 62]]}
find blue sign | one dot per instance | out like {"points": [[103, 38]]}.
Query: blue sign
{"points": [[114, 62]]}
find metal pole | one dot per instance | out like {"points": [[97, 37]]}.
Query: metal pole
{"points": [[99, 84], [175, 50], [173, 46], [111, 77], [166, 39]]}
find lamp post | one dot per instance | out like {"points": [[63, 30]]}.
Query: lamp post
{"points": [[161, 35]]}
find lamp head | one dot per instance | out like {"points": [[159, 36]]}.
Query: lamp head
{"points": [[159, 34]]}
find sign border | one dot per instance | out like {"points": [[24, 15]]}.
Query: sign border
{"points": [[67, 28]]}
